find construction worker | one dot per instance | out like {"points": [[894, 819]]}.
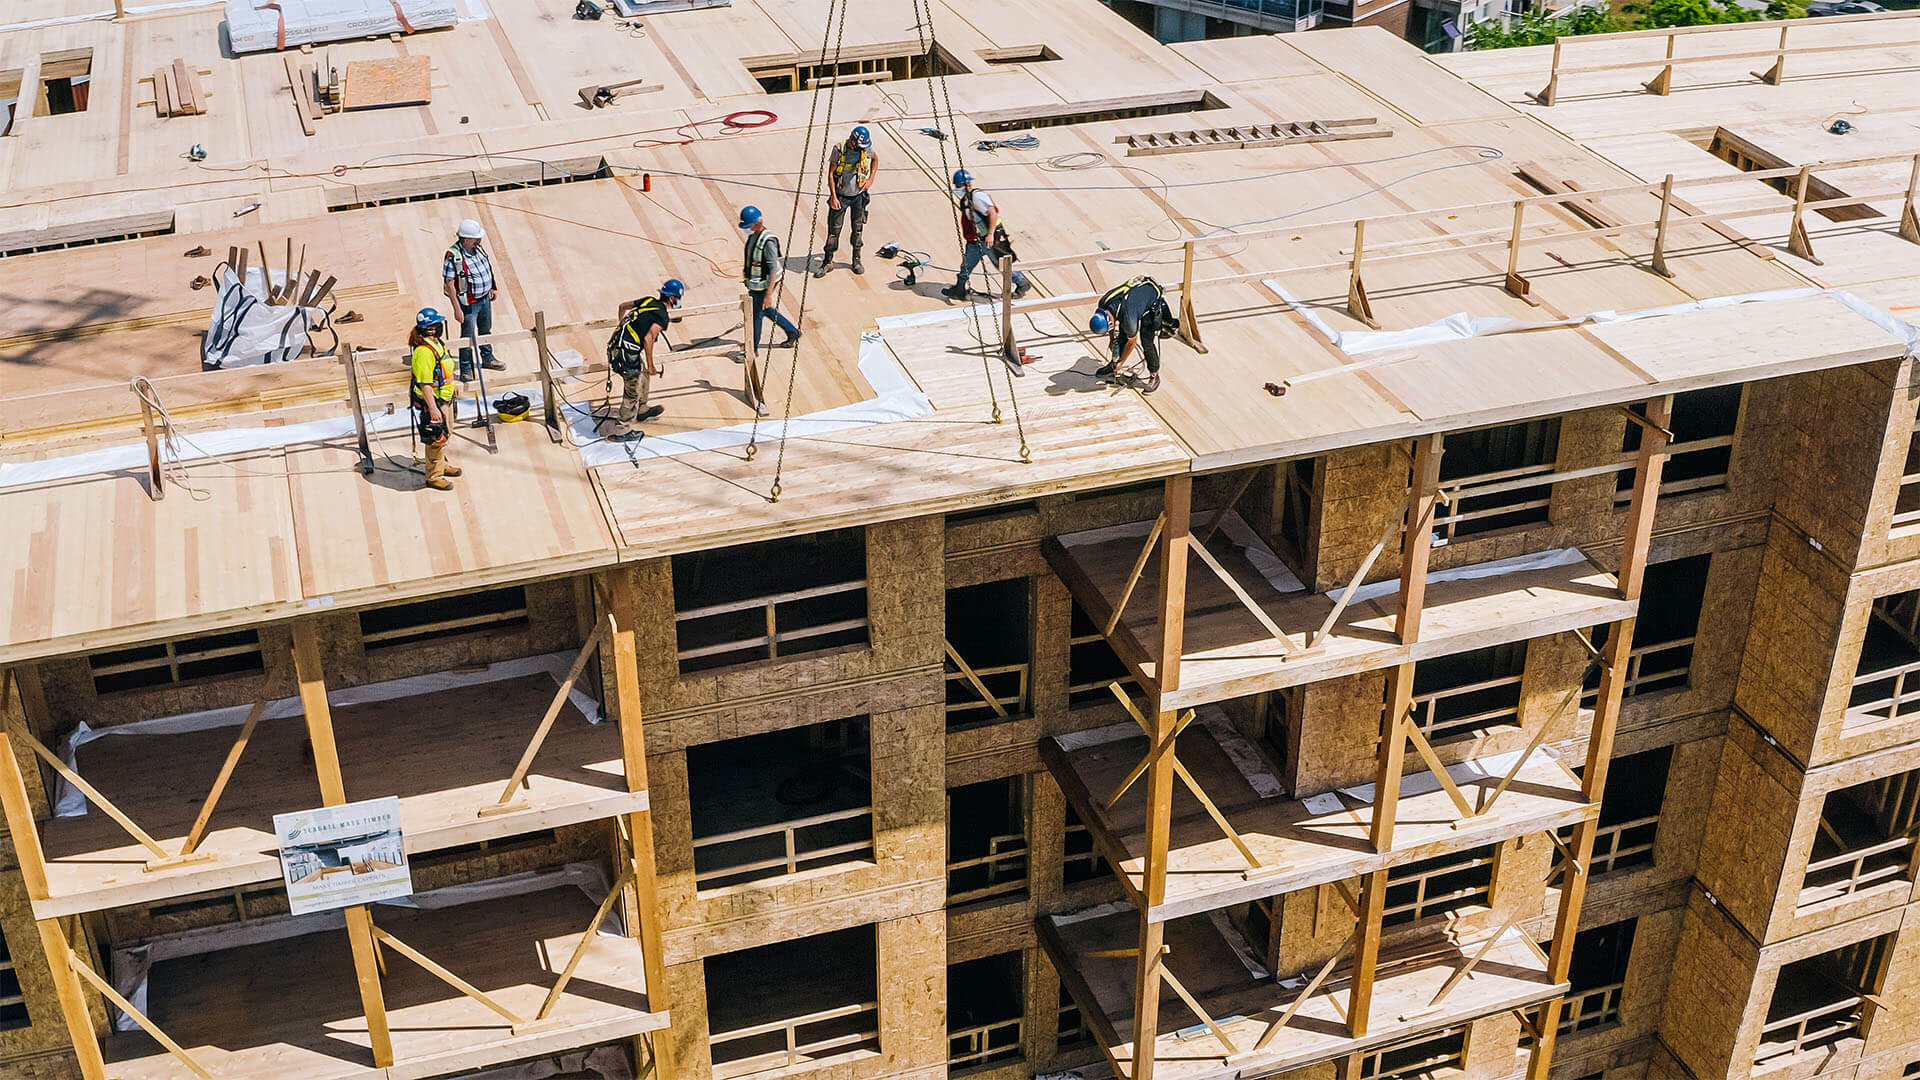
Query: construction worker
{"points": [[762, 274], [1133, 314], [470, 285], [851, 175], [980, 227], [630, 355], [432, 394]]}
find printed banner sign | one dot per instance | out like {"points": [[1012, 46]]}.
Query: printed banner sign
{"points": [[342, 856]]}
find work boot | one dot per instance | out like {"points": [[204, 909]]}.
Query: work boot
{"points": [[440, 483], [493, 365], [954, 292], [1152, 383], [793, 339], [651, 412], [858, 266], [826, 260], [451, 470], [1106, 369], [1021, 287], [466, 372]]}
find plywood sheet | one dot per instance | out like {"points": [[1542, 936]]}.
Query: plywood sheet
{"points": [[379, 84]]}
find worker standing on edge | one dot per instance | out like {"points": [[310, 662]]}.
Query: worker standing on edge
{"points": [[981, 228], [1133, 314], [762, 274], [432, 394], [851, 172], [630, 355], [468, 274]]}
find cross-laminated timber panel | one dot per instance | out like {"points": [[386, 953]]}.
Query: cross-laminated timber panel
{"points": [[1229, 653], [1299, 843]]}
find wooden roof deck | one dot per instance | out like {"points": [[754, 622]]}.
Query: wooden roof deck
{"points": [[93, 316], [1511, 975], [1300, 844], [445, 763], [1228, 653], [302, 1014]]}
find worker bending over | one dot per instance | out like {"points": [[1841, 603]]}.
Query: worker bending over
{"points": [[851, 172], [630, 355], [1133, 314], [432, 394], [984, 234], [762, 274]]}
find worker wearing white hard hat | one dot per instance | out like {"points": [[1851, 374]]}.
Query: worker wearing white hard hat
{"points": [[471, 287]]}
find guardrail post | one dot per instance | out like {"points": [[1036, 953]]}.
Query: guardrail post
{"points": [[1660, 230], [1662, 83], [756, 392], [549, 400], [1909, 217], [1551, 91], [1357, 303], [156, 487], [1189, 317], [1797, 240], [1773, 75], [1516, 284], [1009, 352], [359, 411], [484, 417]]}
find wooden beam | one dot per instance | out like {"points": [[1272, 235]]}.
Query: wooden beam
{"points": [[624, 705], [107, 991], [359, 410], [1177, 515], [1133, 576], [430, 967], [973, 680], [546, 721], [1152, 755], [1606, 716], [1358, 305], [1660, 228], [1240, 593], [16, 806], [93, 795], [1186, 778], [1366, 955], [226, 773], [333, 792]]}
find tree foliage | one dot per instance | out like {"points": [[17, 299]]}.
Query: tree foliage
{"points": [[1542, 27]]}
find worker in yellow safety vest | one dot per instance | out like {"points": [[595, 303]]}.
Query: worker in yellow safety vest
{"points": [[849, 191], [432, 394], [761, 275]]}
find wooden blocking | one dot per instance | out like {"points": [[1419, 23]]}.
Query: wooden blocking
{"points": [[186, 88], [302, 99], [381, 84], [163, 92]]}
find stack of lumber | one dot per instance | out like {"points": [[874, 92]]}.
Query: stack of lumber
{"points": [[177, 91]]}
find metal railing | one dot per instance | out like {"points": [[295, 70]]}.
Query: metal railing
{"points": [[795, 857], [1593, 1008], [774, 636], [1810, 1030], [1006, 869], [797, 1049], [1426, 709], [983, 1043], [1854, 874]]}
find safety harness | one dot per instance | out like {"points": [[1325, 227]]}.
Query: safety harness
{"points": [[756, 268], [627, 348], [861, 167], [459, 256]]}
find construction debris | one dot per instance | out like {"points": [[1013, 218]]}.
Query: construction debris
{"points": [[1250, 136]]}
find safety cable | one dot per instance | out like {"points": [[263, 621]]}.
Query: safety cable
{"points": [[930, 45], [833, 33]]}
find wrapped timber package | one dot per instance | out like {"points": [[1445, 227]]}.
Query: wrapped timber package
{"points": [[256, 25]]}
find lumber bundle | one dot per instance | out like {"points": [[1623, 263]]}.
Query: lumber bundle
{"points": [[297, 286], [177, 90]]}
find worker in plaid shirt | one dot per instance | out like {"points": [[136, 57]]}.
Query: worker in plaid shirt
{"points": [[469, 282]]}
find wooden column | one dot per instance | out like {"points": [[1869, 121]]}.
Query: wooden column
{"points": [[1416, 548], [623, 704], [1606, 715], [1160, 775], [16, 808], [333, 792]]}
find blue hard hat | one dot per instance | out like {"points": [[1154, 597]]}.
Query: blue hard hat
{"points": [[961, 178], [749, 215], [427, 318], [862, 138], [1099, 323], [673, 287]]}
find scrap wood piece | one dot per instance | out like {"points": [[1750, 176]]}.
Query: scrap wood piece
{"points": [[164, 102], [302, 102], [381, 84], [186, 90]]}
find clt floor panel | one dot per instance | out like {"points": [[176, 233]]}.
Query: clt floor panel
{"points": [[291, 1008], [446, 755], [1407, 994], [1299, 843], [1228, 653]]}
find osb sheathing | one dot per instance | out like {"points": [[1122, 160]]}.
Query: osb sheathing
{"points": [[1794, 634], [46, 1028], [1743, 858], [1655, 934], [1833, 442]]}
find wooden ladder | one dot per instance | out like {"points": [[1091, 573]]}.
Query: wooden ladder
{"points": [[1247, 136]]}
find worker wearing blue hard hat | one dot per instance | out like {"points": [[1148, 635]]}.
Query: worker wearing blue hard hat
{"points": [[432, 394], [630, 355], [983, 233], [849, 191], [1133, 314], [761, 275]]}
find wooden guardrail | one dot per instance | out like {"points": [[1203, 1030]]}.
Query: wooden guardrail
{"points": [[1663, 82]]}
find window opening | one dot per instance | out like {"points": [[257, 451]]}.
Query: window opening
{"points": [[1436, 886], [66, 82], [1819, 1001], [985, 1006], [770, 600], [1092, 664], [1703, 426], [1865, 838], [776, 804], [986, 840], [1597, 977], [792, 1002], [1515, 452], [990, 633], [1885, 682], [179, 661], [1463, 694], [443, 617]]}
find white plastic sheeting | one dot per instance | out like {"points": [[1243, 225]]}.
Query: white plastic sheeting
{"points": [[246, 330], [1515, 565], [68, 802], [131, 966], [256, 25], [895, 398]]}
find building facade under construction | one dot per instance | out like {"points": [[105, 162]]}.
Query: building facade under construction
{"points": [[1491, 652]]}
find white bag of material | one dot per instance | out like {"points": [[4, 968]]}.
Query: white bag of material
{"points": [[247, 330], [256, 25]]}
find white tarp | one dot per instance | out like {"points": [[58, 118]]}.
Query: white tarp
{"points": [[247, 330], [256, 25]]}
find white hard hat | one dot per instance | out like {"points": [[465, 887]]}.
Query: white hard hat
{"points": [[471, 230]]}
